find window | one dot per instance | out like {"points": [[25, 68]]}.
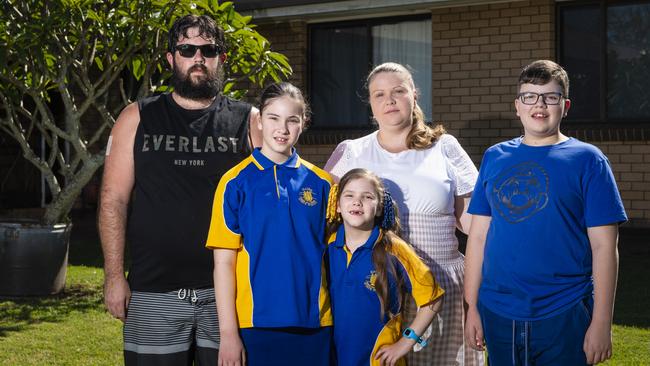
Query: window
{"points": [[342, 54], [605, 48]]}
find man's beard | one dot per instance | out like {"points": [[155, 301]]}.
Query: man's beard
{"points": [[206, 87]]}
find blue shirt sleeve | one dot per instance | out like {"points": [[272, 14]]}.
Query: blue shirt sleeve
{"points": [[479, 204], [602, 200]]}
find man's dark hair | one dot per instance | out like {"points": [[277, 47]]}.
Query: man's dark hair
{"points": [[208, 29]]}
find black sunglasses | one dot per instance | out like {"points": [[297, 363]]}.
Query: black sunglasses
{"points": [[207, 50]]}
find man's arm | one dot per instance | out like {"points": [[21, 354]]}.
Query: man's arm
{"points": [[473, 266], [254, 132], [117, 184], [604, 249]]}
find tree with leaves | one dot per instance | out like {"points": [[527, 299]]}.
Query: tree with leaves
{"points": [[68, 67]]}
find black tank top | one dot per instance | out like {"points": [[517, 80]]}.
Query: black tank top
{"points": [[180, 155]]}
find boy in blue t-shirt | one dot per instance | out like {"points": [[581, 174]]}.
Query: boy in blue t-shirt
{"points": [[542, 259]]}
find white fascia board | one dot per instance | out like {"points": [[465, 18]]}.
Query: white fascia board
{"points": [[351, 9]]}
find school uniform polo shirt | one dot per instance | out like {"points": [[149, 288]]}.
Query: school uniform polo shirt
{"points": [[274, 216], [359, 328]]}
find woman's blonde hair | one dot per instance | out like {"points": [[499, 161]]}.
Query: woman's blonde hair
{"points": [[421, 135]]}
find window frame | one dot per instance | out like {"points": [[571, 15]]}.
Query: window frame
{"points": [[368, 23], [602, 118]]}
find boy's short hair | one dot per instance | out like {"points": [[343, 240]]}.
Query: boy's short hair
{"points": [[208, 29], [542, 72]]}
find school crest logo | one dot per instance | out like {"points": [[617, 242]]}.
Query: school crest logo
{"points": [[307, 197], [370, 281]]}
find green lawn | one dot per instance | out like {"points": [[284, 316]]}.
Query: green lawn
{"points": [[74, 329], [70, 329]]}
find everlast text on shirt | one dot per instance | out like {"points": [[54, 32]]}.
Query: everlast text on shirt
{"points": [[173, 143]]}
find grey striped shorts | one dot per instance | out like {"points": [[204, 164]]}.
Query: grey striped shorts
{"points": [[170, 322]]}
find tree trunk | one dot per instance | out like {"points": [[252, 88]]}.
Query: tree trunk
{"points": [[57, 210]]}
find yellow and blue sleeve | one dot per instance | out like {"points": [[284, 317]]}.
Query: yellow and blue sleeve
{"points": [[224, 231], [390, 333], [423, 285], [318, 171], [324, 302]]}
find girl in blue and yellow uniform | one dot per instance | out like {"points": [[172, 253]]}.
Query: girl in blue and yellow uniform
{"points": [[268, 235], [371, 269]]}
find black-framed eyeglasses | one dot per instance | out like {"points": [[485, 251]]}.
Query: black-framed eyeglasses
{"points": [[530, 98], [207, 50]]}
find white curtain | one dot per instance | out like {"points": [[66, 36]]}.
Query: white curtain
{"points": [[407, 43]]}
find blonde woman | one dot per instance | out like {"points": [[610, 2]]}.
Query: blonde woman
{"points": [[431, 178]]}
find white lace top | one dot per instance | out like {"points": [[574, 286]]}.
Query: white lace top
{"points": [[424, 184], [421, 181]]}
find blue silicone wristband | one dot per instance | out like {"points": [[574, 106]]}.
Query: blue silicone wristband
{"points": [[410, 334]]}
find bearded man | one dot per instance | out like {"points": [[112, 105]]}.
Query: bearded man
{"points": [[164, 158]]}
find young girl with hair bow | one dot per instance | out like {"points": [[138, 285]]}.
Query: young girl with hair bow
{"points": [[370, 271]]}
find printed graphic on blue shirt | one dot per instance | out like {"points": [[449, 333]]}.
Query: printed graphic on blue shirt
{"points": [[542, 200], [521, 191]]}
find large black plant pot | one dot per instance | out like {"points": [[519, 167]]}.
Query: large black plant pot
{"points": [[33, 258]]}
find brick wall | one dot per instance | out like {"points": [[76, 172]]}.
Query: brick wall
{"points": [[316, 154], [631, 165], [478, 52]]}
